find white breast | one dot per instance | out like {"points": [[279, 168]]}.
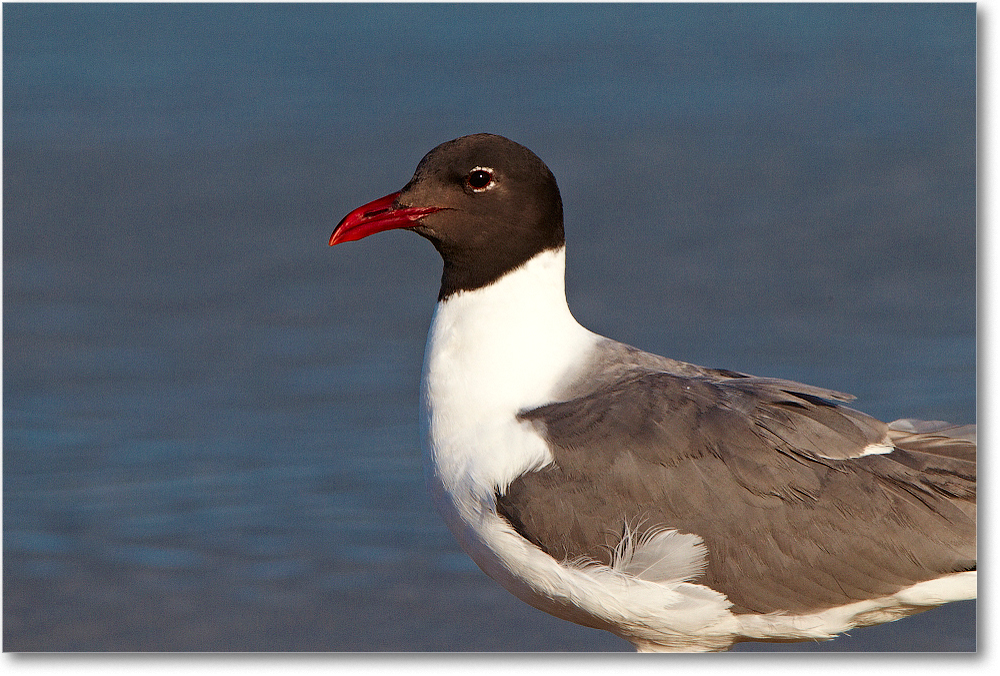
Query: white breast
{"points": [[491, 353]]}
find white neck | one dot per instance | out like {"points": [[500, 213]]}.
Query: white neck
{"points": [[492, 352]]}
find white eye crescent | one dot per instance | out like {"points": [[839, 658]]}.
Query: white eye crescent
{"points": [[480, 179]]}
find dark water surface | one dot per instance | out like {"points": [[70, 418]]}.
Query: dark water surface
{"points": [[210, 426]]}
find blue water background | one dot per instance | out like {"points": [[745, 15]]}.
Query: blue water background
{"points": [[210, 425]]}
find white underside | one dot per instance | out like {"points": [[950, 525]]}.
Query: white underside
{"points": [[672, 615], [509, 346]]}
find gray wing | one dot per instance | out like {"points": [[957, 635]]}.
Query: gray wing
{"points": [[769, 473]]}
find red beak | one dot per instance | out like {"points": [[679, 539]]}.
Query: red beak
{"points": [[382, 214]]}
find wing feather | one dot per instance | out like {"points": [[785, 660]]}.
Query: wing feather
{"points": [[773, 476]]}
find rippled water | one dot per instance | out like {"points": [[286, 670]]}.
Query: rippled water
{"points": [[210, 418]]}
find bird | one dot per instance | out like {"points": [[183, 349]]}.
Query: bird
{"points": [[680, 507]]}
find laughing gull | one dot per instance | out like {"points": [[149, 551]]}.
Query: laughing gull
{"points": [[680, 507]]}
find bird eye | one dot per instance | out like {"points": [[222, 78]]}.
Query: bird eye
{"points": [[479, 179]]}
